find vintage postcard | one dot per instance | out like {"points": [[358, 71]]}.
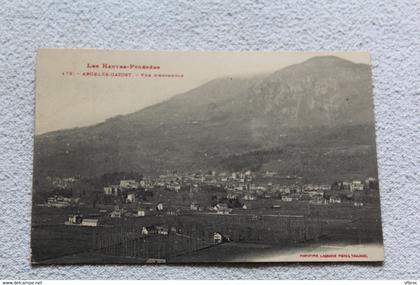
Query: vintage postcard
{"points": [[204, 157]]}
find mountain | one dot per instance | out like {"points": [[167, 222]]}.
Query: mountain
{"points": [[313, 119]]}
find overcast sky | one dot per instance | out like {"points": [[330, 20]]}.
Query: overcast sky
{"points": [[64, 101]]}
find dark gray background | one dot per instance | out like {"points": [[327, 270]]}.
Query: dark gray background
{"points": [[390, 30]]}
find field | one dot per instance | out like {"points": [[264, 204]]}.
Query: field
{"points": [[190, 236]]}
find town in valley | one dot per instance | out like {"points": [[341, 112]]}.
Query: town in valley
{"points": [[175, 215]]}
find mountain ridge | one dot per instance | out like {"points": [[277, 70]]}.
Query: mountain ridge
{"points": [[201, 128]]}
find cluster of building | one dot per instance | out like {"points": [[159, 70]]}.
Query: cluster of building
{"points": [[245, 187], [242, 186], [127, 189], [62, 182], [58, 201], [79, 220], [176, 181]]}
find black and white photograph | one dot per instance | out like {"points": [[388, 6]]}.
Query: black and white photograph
{"points": [[204, 157]]}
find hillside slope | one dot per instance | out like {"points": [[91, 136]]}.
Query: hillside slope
{"points": [[313, 119]]}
